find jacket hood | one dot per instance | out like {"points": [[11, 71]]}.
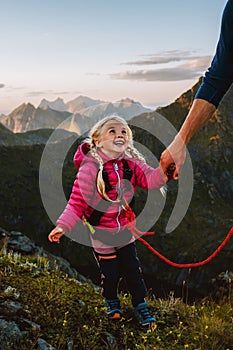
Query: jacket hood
{"points": [[81, 154]]}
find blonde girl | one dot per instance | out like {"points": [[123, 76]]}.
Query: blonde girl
{"points": [[109, 170]]}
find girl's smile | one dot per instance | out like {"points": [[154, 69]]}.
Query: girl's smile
{"points": [[113, 139]]}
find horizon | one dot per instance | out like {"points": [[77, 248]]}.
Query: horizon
{"points": [[79, 96], [150, 52]]}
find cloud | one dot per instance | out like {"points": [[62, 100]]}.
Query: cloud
{"points": [[189, 67], [2, 85], [93, 74], [165, 74], [198, 63], [165, 57], [45, 92]]}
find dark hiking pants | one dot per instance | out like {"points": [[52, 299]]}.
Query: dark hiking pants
{"points": [[124, 263]]}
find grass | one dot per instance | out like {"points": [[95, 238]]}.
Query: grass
{"points": [[71, 313]]}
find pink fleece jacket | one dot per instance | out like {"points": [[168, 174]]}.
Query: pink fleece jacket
{"points": [[85, 197]]}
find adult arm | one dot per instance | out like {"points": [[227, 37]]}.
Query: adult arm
{"points": [[200, 112], [215, 84]]}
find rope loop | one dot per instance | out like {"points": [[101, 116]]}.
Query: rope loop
{"points": [[131, 218]]}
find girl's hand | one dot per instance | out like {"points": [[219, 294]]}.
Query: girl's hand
{"points": [[163, 174], [170, 171], [56, 234]]}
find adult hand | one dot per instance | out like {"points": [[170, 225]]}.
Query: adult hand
{"points": [[174, 153]]}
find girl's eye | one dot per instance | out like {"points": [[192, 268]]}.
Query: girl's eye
{"points": [[124, 132], [112, 131]]}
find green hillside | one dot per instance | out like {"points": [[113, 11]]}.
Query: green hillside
{"points": [[42, 308]]}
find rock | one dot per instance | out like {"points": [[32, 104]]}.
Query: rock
{"points": [[16, 328], [17, 242], [22, 244], [9, 333], [111, 341], [12, 308], [43, 345]]}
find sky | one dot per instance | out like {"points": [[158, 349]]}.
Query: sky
{"points": [[150, 51]]}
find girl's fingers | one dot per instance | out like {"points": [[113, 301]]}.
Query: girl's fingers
{"points": [[54, 236], [176, 174]]}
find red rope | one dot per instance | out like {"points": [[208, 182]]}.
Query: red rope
{"points": [[136, 233]]}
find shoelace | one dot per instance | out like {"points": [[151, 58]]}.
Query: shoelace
{"points": [[113, 304], [144, 313]]}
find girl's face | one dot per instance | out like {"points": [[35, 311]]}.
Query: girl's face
{"points": [[113, 139]]}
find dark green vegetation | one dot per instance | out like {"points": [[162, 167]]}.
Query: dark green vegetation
{"points": [[71, 315]]}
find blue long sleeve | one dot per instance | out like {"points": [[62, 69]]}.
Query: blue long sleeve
{"points": [[219, 77]]}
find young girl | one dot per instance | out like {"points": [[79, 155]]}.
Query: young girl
{"points": [[109, 169]]}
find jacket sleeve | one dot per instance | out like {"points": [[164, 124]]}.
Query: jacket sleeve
{"points": [[219, 76], [147, 177], [82, 192]]}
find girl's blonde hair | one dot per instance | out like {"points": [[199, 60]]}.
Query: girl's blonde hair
{"points": [[94, 135]]}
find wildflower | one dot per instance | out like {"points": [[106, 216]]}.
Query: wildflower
{"points": [[10, 291], [144, 337], [65, 319]]}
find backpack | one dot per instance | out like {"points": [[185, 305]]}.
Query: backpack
{"points": [[103, 205]]}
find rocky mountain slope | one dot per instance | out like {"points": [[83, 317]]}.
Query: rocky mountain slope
{"points": [[76, 116], [8, 138]]}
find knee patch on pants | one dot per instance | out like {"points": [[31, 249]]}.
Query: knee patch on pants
{"points": [[105, 257]]}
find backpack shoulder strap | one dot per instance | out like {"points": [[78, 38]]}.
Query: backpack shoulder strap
{"points": [[127, 172], [97, 214]]}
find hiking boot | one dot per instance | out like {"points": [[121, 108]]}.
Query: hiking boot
{"points": [[113, 308], [143, 315]]}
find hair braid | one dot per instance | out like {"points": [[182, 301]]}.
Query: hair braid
{"points": [[100, 181], [134, 153]]}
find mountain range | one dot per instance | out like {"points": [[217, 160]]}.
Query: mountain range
{"points": [[77, 115]]}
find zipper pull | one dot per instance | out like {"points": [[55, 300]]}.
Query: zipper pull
{"points": [[115, 166]]}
